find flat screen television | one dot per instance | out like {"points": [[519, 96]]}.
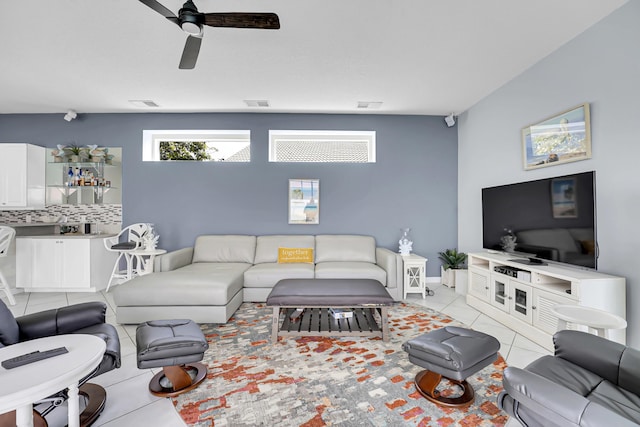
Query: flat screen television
{"points": [[552, 219]]}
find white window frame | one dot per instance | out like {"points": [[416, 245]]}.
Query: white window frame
{"points": [[321, 135], [151, 139]]}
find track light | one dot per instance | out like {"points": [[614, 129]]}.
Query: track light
{"points": [[450, 120], [70, 115]]}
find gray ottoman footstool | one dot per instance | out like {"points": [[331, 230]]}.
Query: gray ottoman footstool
{"points": [[454, 353], [176, 346]]}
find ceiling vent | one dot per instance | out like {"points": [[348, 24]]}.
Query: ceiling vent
{"points": [[369, 105], [256, 102], [143, 103]]}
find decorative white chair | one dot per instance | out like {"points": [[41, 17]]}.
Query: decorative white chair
{"points": [[6, 237], [129, 240]]}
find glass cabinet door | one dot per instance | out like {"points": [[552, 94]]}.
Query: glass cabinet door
{"points": [[499, 292], [521, 297]]}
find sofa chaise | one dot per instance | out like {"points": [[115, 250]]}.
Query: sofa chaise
{"points": [[208, 282]]}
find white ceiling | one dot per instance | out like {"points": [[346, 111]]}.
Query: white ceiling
{"points": [[431, 57]]}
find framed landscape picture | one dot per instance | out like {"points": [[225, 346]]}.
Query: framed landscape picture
{"points": [[304, 201], [565, 137]]}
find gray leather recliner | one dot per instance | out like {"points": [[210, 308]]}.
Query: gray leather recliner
{"points": [[83, 318], [590, 381]]}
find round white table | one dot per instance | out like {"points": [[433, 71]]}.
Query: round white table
{"points": [[597, 320], [144, 260], [29, 383]]}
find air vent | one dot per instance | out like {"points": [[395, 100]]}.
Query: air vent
{"points": [[256, 102], [143, 103], [370, 105]]}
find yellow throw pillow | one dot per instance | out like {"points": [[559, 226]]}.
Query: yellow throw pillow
{"points": [[286, 255]]}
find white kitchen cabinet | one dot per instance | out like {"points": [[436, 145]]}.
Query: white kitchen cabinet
{"points": [[523, 302], [59, 263], [22, 176], [62, 264]]}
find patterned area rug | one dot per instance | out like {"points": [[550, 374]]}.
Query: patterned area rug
{"points": [[315, 381]]}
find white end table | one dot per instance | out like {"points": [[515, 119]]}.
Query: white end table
{"points": [[415, 275], [596, 320], [29, 383], [144, 260]]}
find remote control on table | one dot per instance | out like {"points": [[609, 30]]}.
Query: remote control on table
{"points": [[296, 314], [25, 359]]}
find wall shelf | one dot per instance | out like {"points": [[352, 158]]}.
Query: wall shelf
{"points": [[63, 189]]}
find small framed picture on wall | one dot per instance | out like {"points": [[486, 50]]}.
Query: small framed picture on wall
{"points": [[304, 201]]}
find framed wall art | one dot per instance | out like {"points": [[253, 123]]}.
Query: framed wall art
{"points": [[304, 201], [563, 138]]}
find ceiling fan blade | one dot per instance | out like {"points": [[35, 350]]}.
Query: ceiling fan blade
{"points": [[268, 21], [190, 53], [153, 4]]}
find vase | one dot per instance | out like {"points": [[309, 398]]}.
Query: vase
{"points": [[405, 244]]}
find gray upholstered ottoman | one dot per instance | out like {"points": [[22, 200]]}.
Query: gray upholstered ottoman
{"points": [[308, 304], [176, 346], [454, 353]]}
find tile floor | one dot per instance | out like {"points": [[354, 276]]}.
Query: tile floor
{"points": [[129, 404]]}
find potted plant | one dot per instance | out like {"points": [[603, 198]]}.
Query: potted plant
{"points": [[74, 153], [453, 270]]}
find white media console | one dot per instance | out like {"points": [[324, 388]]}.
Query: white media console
{"points": [[523, 303]]}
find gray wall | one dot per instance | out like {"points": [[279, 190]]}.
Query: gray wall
{"points": [[601, 67], [412, 184]]}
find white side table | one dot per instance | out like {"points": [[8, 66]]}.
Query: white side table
{"points": [[144, 260], [415, 275], [29, 383], [599, 321]]}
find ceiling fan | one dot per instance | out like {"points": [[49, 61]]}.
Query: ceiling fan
{"points": [[191, 22]]}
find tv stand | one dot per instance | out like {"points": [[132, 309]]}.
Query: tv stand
{"points": [[528, 261], [523, 296]]}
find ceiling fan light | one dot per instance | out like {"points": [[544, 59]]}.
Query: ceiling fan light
{"points": [[190, 28]]}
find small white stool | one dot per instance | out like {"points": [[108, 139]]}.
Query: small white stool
{"points": [[598, 321]]}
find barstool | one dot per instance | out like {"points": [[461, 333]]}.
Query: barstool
{"points": [[131, 240], [6, 237]]}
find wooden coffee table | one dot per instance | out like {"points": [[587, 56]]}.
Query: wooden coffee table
{"points": [[367, 299]]}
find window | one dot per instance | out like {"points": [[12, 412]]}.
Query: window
{"points": [[322, 146], [196, 145]]}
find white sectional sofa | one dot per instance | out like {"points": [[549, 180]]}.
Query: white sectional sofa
{"points": [[208, 282]]}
